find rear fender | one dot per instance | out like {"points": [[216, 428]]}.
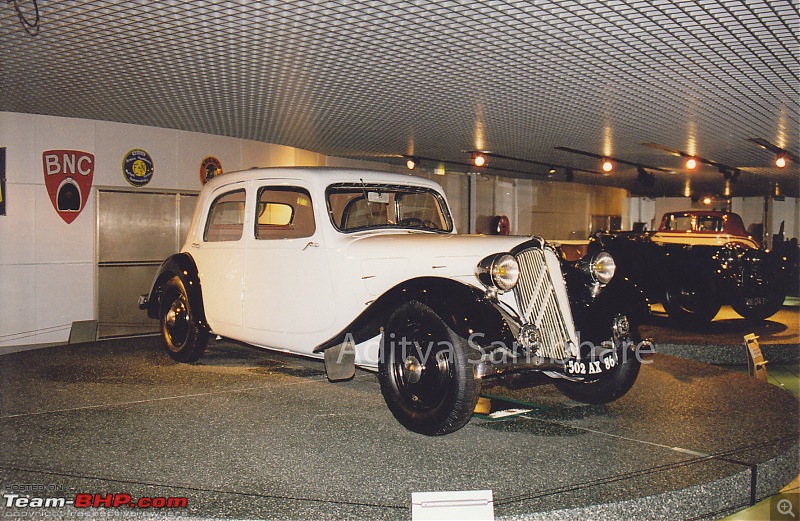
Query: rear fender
{"points": [[181, 265]]}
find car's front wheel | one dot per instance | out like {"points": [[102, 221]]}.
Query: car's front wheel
{"points": [[425, 372], [612, 383], [184, 340], [761, 292]]}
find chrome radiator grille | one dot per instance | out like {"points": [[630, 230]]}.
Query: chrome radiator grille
{"points": [[542, 300]]}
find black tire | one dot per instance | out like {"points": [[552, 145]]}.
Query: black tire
{"points": [[184, 340], [692, 298], [425, 372], [614, 383], [759, 312], [760, 295]]}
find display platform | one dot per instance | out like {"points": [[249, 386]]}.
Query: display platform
{"points": [[250, 434], [722, 341]]}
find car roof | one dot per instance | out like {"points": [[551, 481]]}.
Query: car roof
{"points": [[319, 178], [704, 213]]}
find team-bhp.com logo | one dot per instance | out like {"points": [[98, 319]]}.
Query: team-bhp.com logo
{"points": [[20, 501]]}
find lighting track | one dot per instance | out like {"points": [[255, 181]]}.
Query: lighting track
{"points": [[727, 171], [614, 159], [775, 149], [538, 163]]}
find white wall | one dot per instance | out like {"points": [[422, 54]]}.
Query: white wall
{"points": [[788, 212], [553, 210], [47, 267]]}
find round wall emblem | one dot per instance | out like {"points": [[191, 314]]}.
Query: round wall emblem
{"points": [[137, 167], [210, 168]]}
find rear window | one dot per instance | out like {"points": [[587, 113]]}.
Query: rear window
{"points": [[226, 218]]}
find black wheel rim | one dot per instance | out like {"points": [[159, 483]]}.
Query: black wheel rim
{"points": [[693, 295], [421, 365], [176, 323]]}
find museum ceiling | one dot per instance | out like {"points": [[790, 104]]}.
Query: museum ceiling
{"points": [[542, 85]]}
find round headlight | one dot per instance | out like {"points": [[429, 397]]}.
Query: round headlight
{"points": [[602, 267], [499, 271]]}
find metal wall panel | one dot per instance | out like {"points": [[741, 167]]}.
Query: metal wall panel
{"points": [[135, 226], [136, 231]]}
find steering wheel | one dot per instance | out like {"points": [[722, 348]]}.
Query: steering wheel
{"points": [[414, 222]]}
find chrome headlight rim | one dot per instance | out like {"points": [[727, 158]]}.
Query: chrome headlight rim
{"points": [[601, 267], [498, 272]]}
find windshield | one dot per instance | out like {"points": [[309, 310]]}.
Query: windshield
{"points": [[356, 207]]}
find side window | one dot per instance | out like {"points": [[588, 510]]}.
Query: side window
{"points": [[284, 212], [226, 218], [679, 223], [709, 224]]}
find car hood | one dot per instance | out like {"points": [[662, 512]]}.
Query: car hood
{"points": [[388, 258]]}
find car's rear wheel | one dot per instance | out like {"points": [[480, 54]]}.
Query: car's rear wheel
{"points": [[184, 340], [692, 298], [615, 382], [425, 372]]}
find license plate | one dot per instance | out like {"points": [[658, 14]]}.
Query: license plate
{"points": [[592, 365]]}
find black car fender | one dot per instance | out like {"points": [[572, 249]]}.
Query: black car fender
{"points": [[183, 266], [464, 308], [594, 314]]}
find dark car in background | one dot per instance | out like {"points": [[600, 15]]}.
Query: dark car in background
{"points": [[698, 261]]}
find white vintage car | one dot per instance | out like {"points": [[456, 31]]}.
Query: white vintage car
{"points": [[363, 268]]}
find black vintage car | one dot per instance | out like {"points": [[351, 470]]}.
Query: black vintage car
{"points": [[699, 260]]}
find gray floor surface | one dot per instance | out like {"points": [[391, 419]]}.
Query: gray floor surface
{"points": [[251, 434]]}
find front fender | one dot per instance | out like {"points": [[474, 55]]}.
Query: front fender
{"points": [[183, 266], [465, 309], [594, 315]]}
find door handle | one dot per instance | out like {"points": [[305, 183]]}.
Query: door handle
{"points": [[311, 245]]}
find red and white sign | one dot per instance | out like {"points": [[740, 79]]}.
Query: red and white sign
{"points": [[68, 176]]}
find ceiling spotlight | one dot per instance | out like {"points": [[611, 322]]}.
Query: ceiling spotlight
{"points": [[478, 159], [411, 162], [570, 173], [691, 163], [706, 200], [608, 166], [781, 154], [551, 171]]}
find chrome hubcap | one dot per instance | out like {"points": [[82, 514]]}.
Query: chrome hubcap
{"points": [[177, 313], [622, 327], [412, 370]]}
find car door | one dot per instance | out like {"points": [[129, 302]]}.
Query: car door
{"points": [[288, 301], [220, 254]]}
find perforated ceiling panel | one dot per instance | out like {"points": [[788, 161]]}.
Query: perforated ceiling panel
{"points": [[364, 78]]}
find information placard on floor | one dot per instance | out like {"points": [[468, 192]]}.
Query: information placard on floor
{"points": [[472, 505]]}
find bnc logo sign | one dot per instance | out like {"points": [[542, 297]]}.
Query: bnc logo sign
{"points": [[68, 177]]}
